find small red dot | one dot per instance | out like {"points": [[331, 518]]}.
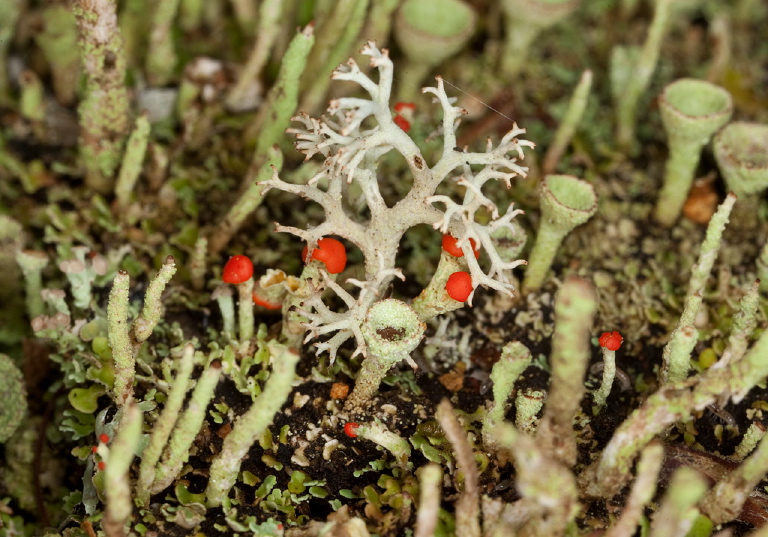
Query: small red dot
{"points": [[94, 449], [349, 429], [103, 438], [101, 465]]}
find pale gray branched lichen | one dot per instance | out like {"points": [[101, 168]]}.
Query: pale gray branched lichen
{"points": [[351, 153]]}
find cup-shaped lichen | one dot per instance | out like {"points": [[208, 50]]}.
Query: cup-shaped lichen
{"points": [[391, 331], [525, 19], [741, 150], [566, 203], [429, 32], [691, 111]]}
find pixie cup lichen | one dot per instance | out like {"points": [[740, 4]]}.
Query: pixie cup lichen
{"points": [[392, 330], [525, 20], [429, 32], [691, 111], [741, 150], [566, 203]]}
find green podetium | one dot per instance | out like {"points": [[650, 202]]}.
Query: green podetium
{"points": [[741, 151], [545, 484], [515, 358], [429, 32], [32, 264], [14, 406], [566, 203], [575, 304], [525, 20], [378, 433], [125, 339], [249, 427], [726, 499], [677, 512], [631, 71], [104, 111], [116, 480], [391, 331], [186, 429], [691, 111]]}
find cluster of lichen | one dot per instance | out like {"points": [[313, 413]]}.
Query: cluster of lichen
{"points": [[172, 426]]}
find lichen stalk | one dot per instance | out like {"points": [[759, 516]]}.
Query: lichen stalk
{"points": [[119, 504], [575, 304], [243, 96], [245, 309], [711, 246], [397, 445], [726, 499], [391, 330], [515, 358], [744, 324], [548, 489], [268, 127], [9, 14], [246, 203], [639, 76], [32, 264], [248, 427], [161, 62], [312, 96], [430, 479], [468, 504], [152, 311], [528, 403], [749, 441], [163, 426], [600, 396], [120, 339], [132, 162], [569, 123], [678, 511], [187, 428], [104, 111], [675, 368], [58, 41], [642, 491]]}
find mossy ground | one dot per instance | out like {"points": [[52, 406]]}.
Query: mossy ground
{"points": [[640, 271]]}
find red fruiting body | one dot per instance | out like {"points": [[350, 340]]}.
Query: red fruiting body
{"points": [[401, 107], [459, 286], [349, 429], [94, 449], [449, 245], [238, 269], [103, 438], [101, 465], [403, 123], [611, 340], [330, 252]]}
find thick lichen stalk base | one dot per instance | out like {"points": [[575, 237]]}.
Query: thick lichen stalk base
{"points": [[250, 425], [367, 384]]}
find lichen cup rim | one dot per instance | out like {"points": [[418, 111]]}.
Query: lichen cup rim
{"points": [[732, 145], [567, 199], [694, 109], [418, 40]]}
